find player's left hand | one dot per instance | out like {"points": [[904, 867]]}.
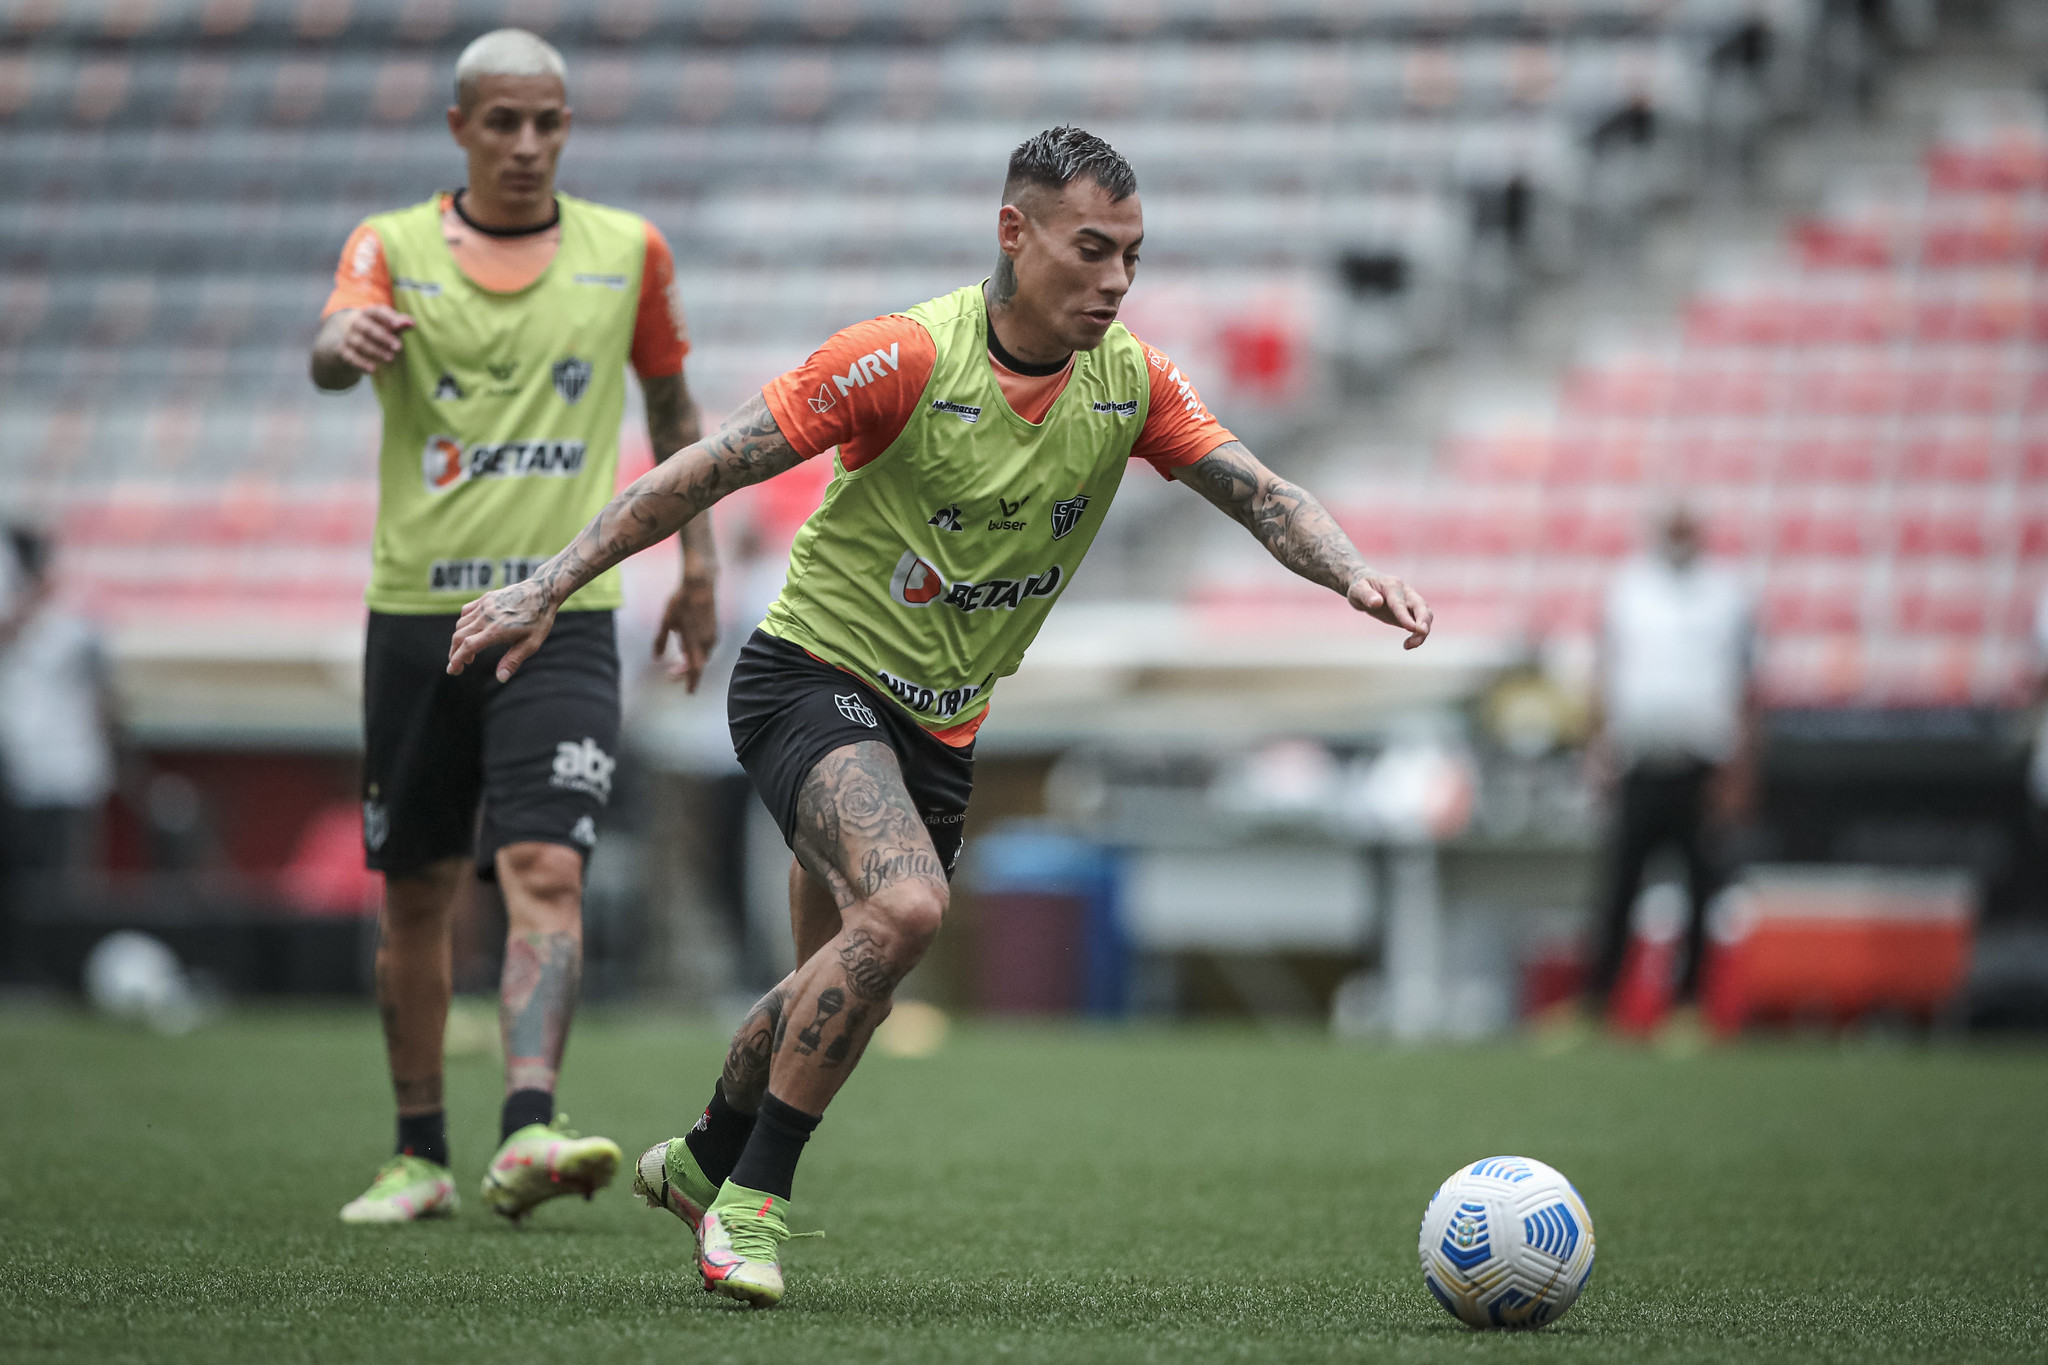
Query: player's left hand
{"points": [[519, 616], [692, 617], [1386, 598]]}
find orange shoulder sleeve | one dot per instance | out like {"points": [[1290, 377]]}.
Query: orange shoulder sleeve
{"points": [[1178, 428], [660, 340], [362, 279], [857, 391]]}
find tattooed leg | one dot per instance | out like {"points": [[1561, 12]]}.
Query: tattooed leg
{"points": [[543, 885], [813, 912], [745, 1078], [859, 836], [814, 918], [414, 979]]}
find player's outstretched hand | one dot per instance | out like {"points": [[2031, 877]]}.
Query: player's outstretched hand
{"points": [[1386, 598], [374, 336], [519, 617], [692, 617]]}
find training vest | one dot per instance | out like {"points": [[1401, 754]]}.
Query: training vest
{"points": [[501, 415], [929, 569]]}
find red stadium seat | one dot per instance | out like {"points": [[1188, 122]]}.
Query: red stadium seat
{"points": [[1816, 527], [1572, 526], [1807, 596], [1833, 455], [1823, 243], [1971, 456], [1950, 531]]}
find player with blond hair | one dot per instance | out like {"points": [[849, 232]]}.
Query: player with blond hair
{"points": [[496, 323]]}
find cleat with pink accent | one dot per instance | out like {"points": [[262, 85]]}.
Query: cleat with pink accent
{"points": [[407, 1189], [546, 1161], [739, 1245]]}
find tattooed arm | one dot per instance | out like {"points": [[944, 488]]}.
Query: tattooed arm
{"points": [[692, 612], [1297, 531], [746, 450]]}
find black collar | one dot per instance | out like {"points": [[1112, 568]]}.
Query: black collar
{"points": [[1016, 366], [460, 212]]}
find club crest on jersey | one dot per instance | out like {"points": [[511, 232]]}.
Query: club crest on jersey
{"points": [[572, 377], [854, 709], [915, 583], [1067, 515]]}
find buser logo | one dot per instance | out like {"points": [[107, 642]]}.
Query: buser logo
{"points": [[1008, 520]]}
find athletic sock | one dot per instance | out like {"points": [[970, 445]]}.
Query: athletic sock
{"points": [[769, 1162], [523, 1107], [424, 1136], [720, 1136]]}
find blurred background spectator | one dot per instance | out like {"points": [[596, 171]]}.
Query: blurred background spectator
{"points": [[57, 727], [1674, 730]]}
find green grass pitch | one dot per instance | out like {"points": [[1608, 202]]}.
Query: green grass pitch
{"points": [[1060, 1195]]}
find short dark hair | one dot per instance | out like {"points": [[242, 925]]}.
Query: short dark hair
{"points": [[1057, 157]]}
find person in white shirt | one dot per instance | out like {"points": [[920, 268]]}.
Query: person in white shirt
{"points": [[1673, 737], [56, 719]]}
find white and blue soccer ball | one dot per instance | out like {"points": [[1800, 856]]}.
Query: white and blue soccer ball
{"points": [[1506, 1242]]}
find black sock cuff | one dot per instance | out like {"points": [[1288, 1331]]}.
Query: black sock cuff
{"points": [[424, 1136], [523, 1107], [787, 1117], [769, 1162]]}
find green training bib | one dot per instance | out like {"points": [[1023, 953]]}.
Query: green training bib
{"points": [[929, 569], [501, 416]]}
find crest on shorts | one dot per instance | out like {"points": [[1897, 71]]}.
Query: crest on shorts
{"points": [[854, 709], [572, 377], [1067, 515]]}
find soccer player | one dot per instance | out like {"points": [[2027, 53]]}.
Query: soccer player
{"points": [[981, 438], [496, 324]]}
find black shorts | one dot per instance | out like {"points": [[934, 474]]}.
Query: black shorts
{"points": [[788, 710], [538, 751]]}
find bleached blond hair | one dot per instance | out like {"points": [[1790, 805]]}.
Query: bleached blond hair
{"points": [[506, 52]]}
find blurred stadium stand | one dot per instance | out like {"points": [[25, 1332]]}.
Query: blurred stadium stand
{"points": [[1864, 425], [1317, 178], [1339, 193]]}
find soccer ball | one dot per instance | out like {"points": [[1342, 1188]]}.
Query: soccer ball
{"points": [[1506, 1242]]}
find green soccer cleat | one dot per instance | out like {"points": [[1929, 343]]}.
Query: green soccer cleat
{"points": [[545, 1161], [668, 1177], [739, 1243], [407, 1188]]}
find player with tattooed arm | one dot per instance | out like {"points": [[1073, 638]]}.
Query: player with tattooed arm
{"points": [[496, 324], [981, 437]]}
